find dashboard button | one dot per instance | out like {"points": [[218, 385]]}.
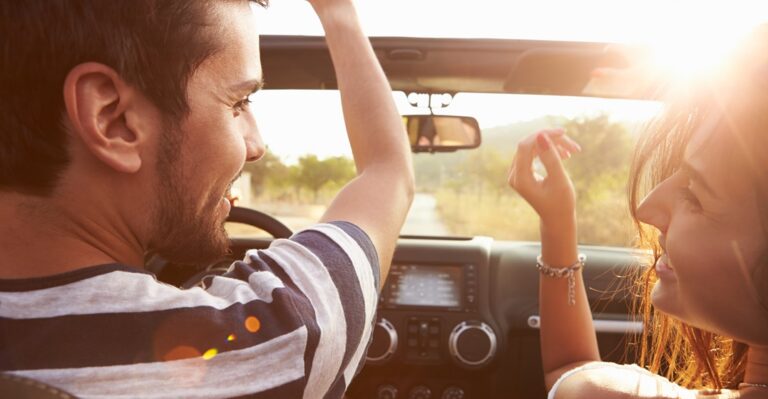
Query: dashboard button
{"points": [[420, 392], [453, 392], [384, 343], [386, 392], [472, 344]]}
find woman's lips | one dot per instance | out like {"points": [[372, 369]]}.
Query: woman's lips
{"points": [[663, 268]]}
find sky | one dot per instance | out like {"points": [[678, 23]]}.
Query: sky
{"points": [[601, 20], [293, 124]]}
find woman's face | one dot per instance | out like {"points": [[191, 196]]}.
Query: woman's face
{"points": [[712, 239]]}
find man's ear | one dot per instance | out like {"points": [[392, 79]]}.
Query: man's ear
{"points": [[96, 100]]}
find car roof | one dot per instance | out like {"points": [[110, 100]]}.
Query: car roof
{"points": [[443, 65]]}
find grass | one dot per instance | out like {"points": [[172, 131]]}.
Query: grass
{"points": [[602, 220]]}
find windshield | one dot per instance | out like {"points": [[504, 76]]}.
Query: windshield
{"points": [[463, 193]]}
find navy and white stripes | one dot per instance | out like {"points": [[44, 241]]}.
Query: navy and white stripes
{"points": [[293, 320]]}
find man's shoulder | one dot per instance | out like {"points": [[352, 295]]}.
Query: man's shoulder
{"points": [[340, 247], [345, 235]]}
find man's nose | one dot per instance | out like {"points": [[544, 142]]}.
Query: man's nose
{"points": [[254, 146]]}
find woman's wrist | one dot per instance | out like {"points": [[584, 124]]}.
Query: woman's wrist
{"points": [[559, 226], [559, 241]]}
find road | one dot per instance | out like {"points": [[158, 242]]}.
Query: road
{"points": [[423, 218]]}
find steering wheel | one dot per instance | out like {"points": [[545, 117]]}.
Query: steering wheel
{"points": [[258, 219]]}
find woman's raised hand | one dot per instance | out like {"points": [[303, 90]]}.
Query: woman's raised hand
{"points": [[552, 196]]}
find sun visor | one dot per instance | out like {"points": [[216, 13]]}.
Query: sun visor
{"points": [[560, 71]]}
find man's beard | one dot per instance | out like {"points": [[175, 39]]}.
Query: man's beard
{"points": [[181, 233]]}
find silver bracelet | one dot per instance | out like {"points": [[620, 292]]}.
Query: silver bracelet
{"points": [[563, 272]]}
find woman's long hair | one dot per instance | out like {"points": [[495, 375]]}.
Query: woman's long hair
{"points": [[689, 356], [686, 355]]}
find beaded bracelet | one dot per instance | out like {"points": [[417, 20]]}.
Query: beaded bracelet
{"points": [[563, 272]]}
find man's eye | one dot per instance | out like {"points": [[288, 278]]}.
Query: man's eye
{"points": [[242, 105]]}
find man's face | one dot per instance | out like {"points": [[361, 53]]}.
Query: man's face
{"points": [[202, 155]]}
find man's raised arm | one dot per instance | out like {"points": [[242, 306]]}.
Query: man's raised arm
{"points": [[378, 199]]}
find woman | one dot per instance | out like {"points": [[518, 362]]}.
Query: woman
{"points": [[704, 168]]}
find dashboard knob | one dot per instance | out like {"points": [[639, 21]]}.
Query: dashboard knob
{"points": [[386, 392], [384, 343], [420, 392], [452, 392], [472, 344]]}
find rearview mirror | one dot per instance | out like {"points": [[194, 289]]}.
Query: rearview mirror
{"points": [[441, 133]]}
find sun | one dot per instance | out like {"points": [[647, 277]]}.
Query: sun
{"points": [[697, 53]]}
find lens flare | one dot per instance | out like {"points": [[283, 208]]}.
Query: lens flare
{"points": [[252, 324], [210, 353], [181, 352]]}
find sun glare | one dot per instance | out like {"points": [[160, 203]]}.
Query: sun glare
{"points": [[684, 36], [698, 52], [681, 38]]}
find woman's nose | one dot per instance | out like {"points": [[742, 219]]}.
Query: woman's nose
{"points": [[654, 209]]}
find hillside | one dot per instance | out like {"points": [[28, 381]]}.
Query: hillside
{"points": [[431, 169]]}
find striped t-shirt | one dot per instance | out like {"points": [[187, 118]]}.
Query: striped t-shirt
{"points": [[291, 321]]}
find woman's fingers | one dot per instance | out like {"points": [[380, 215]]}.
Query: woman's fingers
{"points": [[522, 177], [566, 142], [521, 173], [550, 157], [551, 196]]}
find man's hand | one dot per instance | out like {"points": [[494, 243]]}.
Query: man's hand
{"points": [[552, 196], [324, 3]]}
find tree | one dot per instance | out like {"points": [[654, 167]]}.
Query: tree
{"points": [[314, 173], [268, 168], [606, 148], [599, 176]]}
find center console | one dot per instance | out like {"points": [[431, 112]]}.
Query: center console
{"points": [[434, 329], [429, 315]]}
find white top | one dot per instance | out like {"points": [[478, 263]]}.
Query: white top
{"points": [[629, 378]]}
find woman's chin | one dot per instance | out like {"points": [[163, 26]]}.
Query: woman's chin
{"points": [[664, 298]]}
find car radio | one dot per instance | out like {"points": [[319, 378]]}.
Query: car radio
{"points": [[429, 316], [448, 287]]}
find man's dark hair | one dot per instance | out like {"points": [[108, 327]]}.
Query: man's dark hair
{"points": [[155, 45]]}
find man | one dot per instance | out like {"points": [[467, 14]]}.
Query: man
{"points": [[122, 126]]}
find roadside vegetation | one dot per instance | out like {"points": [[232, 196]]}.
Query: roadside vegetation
{"points": [[470, 186]]}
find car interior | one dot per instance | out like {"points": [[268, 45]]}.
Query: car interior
{"points": [[457, 316]]}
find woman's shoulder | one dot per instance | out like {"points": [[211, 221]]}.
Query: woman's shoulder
{"points": [[620, 381]]}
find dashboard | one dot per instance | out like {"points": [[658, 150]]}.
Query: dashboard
{"points": [[458, 318]]}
